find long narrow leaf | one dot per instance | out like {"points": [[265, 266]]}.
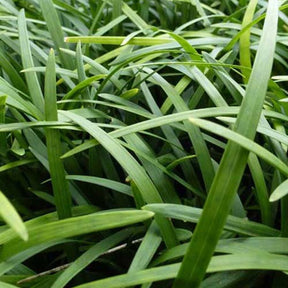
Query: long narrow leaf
{"points": [[10, 215], [147, 249], [60, 186], [242, 141], [245, 57], [265, 261], [3, 141], [55, 29], [233, 163], [27, 60], [74, 226], [117, 40], [90, 255], [279, 192], [135, 171], [192, 214]]}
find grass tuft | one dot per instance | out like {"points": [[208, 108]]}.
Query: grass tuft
{"points": [[143, 143]]}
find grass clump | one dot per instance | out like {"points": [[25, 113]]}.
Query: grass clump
{"points": [[143, 144]]}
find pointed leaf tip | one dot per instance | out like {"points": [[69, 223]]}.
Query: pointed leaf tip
{"points": [[279, 192]]}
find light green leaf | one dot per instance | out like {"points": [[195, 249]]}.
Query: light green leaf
{"points": [[191, 214], [279, 192], [245, 40], [6, 285], [134, 170], [61, 191], [11, 217], [118, 40], [234, 160], [147, 249], [57, 230], [111, 184], [53, 24], [242, 141], [256, 261], [27, 60]]}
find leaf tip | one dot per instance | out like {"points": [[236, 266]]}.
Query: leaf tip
{"points": [[274, 197], [24, 235], [150, 214]]}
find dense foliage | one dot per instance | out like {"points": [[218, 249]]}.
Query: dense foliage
{"points": [[125, 123]]}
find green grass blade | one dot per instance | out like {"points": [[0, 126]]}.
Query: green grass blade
{"points": [[69, 8], [150, 194], [79, 63], [275, 245], [201, 12], [157, 122], [171, 137], [9, 234], [6, 285], [111, 184], [3, 141], [116, 12], [44, 196], [13, 74], [151, 160], [16, 101], [244, 49], [192, 214], [74, 226], [15, 164], [16, 260], [81, 71], [59, 183], [195, 135], [134, 170], [117, 40], [279, 192], [53, 24], [97, 64], [89, 256], [82, 85], [121, 118], [233, 163], [261, 189], [135, 18], [231, 278], [27, 60], [258, 19], [244, 142], [127, 280], [147, 249], [108, 27], [161, 182], [265, 261], [11, 217], [97, 16]]}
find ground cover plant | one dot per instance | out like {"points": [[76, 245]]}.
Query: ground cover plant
{"points": [[143, 143]]}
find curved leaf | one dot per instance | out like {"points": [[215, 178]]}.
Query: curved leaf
{"points": [[279, 192], [11, 217], [74, 226]]}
